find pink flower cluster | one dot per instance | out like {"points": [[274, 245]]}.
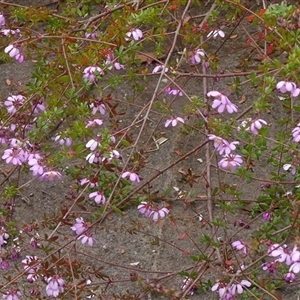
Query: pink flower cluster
{"points": [[196, 56], [12, 295], [228, 292], [134, 34], [229, 162], [112, 63], [153, 212], [20, 153], [92, 73], [96, 156], [253, 125], [222, 103], [55, 286], [12, 50], [31, 266], [288, 86], [283, 254], [222, 145], [81, 228]]}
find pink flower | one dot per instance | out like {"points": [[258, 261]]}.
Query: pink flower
{"points": [[173, 92], [159, 213], [266, 216], [239, 287], [288, 86], [12, 295], [4, 236], [92, 183], [159, 68], [51, 175], [186, 283], [270, 267], [2, 19], [296, 133], [91, 73], [114, 154], [295, 267], [173, 121], [289, 277], [63, 141], [289, 167], [8, 32], [94, 157], [87, 238], [135, 34], [145, 209], [133, 177], [38, 106], [92, 144], [91, 35], [34, 155], [98, 105], [94, 122], [221, 145], [230, 162], [19, 57], [150, 211], [215, 33], [196, 56], [55, 286], [15, 156], [98, 196], [224, 291], [238, 245], [13, 103], [112, 63], [256, 125], [80, 226], [285, 255], [15, 53], [222, 102], [37, 167]]}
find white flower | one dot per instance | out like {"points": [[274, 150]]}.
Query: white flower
{"points": [[173, 121], [159, 68], [135, 34], [290, 167], [132, 176], [92, 144], [215, 33]]}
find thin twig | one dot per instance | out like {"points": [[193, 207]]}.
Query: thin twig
{"points": [[67, 63]]}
